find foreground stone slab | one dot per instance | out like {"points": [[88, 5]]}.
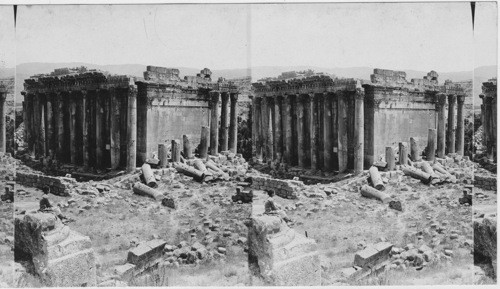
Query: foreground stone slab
{"points": [[61, 257], [282, 256]]}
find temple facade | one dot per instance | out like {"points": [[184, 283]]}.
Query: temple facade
{"points": [[93, 119], [330, 124]]}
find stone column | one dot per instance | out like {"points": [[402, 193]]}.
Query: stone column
{"points": [[99, 141], [3, 139], [441, 140], [431, 145], [342, 132], [214, 122], [205, 134], [162, 155], [488, 125], [114, 129], [176, 151], [277, 132], [460, 124], [132, 129], [328, 132], [257, 119], [186, 147], [60, 127], [85, 129], [286, 118], [233, 124], [414, 151], [359, 131], [308, 127], [49, 125], [223, 122], [271, 105], [72, 127], [403, 153], [390, 158], [266, 130], [452, 100], [314, 129], [300, 132]]}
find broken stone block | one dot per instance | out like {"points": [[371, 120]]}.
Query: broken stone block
{"points": [[373, 255], [146, 254]]}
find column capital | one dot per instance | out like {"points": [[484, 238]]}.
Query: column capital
{"points": [[460, 99], [440, 99], [234, 96], [452, 99], [214, 96], [360, 94]]}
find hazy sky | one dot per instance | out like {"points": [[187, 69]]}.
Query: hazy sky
{"points": [[420, 36], [7, 37]]}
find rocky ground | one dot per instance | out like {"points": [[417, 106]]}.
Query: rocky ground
{"points": [[432, 235], [117, 220], [6, 224], [484, 221]]}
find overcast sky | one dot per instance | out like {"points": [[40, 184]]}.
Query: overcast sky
{"points": [[420, 36], [7, 37]]}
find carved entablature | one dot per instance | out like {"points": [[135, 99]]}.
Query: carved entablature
{"points": [[201, 83], [6, 85], [489, 88], [88, 80], [309, 85]]}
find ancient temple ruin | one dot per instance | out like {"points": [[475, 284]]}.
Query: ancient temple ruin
{"points": [[489, 117], [93, 119], [331, 124]]}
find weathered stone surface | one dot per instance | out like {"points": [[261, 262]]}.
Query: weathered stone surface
{"points": [[485, 239], [147, 253], [283, 256], [61, 257], [373, 255]]}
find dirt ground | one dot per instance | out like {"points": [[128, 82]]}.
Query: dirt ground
{"points": [[345, 222], [118, 220]]}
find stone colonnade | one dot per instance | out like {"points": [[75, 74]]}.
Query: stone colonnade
{"points": [[228, 131], [450, 140], [318, 131], [92, 128]]}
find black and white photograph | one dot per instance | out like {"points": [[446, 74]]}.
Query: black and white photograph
{"points": [[248, 144]]}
